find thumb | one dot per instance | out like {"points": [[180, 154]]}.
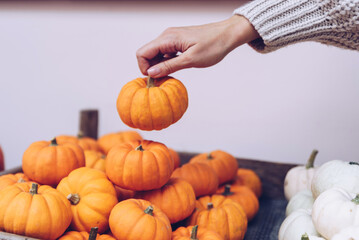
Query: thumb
{"points": [[168, 66]]}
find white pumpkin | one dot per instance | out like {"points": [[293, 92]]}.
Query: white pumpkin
{"points": [[297, 223], [348, 233], [311, 237], [302, 200], [334, 210], [299, 178], [336, 173]]}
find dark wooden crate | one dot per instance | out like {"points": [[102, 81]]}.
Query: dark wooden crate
{"points": [[272, 202]]}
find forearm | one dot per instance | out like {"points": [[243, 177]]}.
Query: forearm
{"points": [[284, 22]]}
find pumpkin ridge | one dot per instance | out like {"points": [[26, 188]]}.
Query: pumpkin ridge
{"points": [[173, 120], [123, 164], [131, 106], [49, 209], [149, 108], [157, 165], [134, 223], [27, 217], [175, 89]]}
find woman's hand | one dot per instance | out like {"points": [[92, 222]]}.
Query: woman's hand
{"points": [[200, 46]]}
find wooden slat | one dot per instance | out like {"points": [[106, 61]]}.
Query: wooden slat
{"points": [[89, 123], [9, 236]]}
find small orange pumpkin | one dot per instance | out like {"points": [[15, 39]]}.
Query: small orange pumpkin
{"points": [[92, 197], [2, 161], [150, 104], [95, 160], [33, 211], [223, 163], [244, 196], [109, 140], [10, 179], [222, 215], [48, 162], [175, 157], [139, 165], [176, 199], [202, 177], [73, 235], [135, 219], [86, 143], [249, 178], [195, 233]]}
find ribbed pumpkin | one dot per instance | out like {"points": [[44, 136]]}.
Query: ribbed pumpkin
{"points": [[249, 178], [92, 197], [10, 179], [176, 199], [223, 163], [86, 143], [47, 162], [175, 157], [109, 140], [222, 215], [195, 233], [139, 165], [2, 161], [244, 196], [123, 194], [95, 160], [202, 177], [152, 104], [73, 235], [135, 219], [39, 212]]}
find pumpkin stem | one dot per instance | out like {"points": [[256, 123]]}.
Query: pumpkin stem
{"points": [[140, 148], [80, 134], [209, 156], [150, 82], [356, 199], [21, 180], [93, 233], [227, 190], [149, 210], [103, 156], [305, 237], [209, 206], [354, 163], [53, 142], [34, 188], [74, 198], [310, 163], [194, 233]]}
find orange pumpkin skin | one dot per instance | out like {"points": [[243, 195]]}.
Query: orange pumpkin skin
{"points": [[249, 178], [2, 161], [202, 177], [86, 143], [150, 104], [226, 217], [97, 197], [129, 221], [184, 233], [123, 194], [45, 215], [110, 140], [244, 196], [48, 162], [73, 235], [224, 164], [10, 179], [175, 157], [95, 160], [139, 165], [176, 199]]}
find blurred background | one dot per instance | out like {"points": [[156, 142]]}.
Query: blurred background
{"points": [[60, 57]]}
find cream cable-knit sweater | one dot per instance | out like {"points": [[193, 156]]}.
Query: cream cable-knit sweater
{"points": [[284, 22]]}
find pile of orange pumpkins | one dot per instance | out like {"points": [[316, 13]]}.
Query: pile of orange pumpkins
{"points": [[126, 188]]}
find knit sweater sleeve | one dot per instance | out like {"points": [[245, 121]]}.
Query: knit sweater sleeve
{"points": [[284, 22]]}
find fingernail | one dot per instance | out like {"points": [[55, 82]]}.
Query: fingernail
{"points": [[153, 71]]}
